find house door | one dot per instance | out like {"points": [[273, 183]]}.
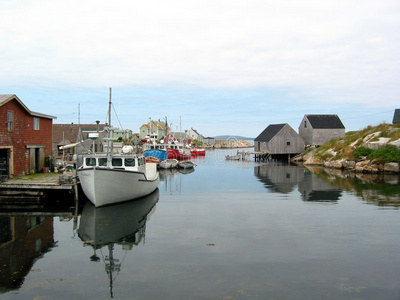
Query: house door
{"points": [[4, 164]]}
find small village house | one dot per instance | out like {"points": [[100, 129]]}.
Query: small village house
{"points": [[154, 130], [320, 129], [25, 138], [192, 134], [278, 140]]}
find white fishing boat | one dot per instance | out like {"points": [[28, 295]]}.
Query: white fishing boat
{"points": [[169, 163], [108, 178]]}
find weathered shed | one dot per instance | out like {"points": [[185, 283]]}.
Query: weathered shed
{"points": [[279, 139], [396, 116], [319, 129]]}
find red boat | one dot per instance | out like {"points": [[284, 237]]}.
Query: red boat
{"points": [[175, 153], [197, 152]]}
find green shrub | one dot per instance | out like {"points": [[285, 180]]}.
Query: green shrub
{"points": [[361, 151], [388, 153]]}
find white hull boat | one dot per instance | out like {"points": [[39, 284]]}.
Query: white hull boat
{"points": [[108, 178], [168, 163], [114, 184]]}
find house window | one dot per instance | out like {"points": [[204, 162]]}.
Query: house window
{"points": [[305, 124], [10, 121], [36, 124], [287, 143]]}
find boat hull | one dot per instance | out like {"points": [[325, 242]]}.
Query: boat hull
{"points": [[160, 154], [186, 164], [168, 164], [173, 153], [105, 186]]}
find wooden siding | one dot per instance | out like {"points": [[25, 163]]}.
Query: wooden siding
{"points": [[24, 137], [316, 136], [286, 141]]}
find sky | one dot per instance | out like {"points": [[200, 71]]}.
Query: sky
{"points": [[221, 67]]}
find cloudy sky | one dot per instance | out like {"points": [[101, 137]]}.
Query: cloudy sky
{"points": [[222, 67]]}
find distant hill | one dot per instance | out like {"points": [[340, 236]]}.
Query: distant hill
{"points": [[237, 137]]}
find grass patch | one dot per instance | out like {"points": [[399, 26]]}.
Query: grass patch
{"points": [[36, 176]]}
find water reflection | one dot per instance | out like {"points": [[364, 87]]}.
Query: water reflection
{"points": [[284, 179], [23, 240], [279, 178], [122, 224], [312, 188], [377, 189], [170, 180]]}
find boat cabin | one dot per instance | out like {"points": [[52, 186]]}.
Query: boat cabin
{"points": [[128, 162]]}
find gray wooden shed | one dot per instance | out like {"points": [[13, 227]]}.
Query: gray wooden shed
{"points": [[320, 129], [279, 139]]}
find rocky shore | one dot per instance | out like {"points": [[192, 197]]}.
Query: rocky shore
{"points": [[231, 143], [363, 166], [340, 154]]}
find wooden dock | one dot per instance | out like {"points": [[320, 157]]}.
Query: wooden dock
{"points": [[31, 189], [260, 156]]}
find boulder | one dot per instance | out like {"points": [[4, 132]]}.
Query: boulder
{"points": [[391, 167], [314, 161]]}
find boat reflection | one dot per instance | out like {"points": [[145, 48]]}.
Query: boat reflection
{"points": [[170, 181], [122, 224]]}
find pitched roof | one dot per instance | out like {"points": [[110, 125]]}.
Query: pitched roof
{"points": [[5, 98], [396, 116], [68, 133], [325, 121], [269, 132]]}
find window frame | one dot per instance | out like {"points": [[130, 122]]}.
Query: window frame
{"points": [[36, 123], [10, 121]]}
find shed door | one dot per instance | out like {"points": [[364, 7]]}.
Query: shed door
{"points": [[36, 159], [4, 164]]}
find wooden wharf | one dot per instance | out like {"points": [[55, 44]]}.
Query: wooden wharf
{"points": [[260, 156], [25, 191]]}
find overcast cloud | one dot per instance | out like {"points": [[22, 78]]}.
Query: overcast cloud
{"points": [[226, 67]]}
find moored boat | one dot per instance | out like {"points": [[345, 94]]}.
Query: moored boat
{"points": [[151, 159], [157, 153], [186, 164], [168, 163], [232, 157], [197, 152], [108, 178], [179, 154]]}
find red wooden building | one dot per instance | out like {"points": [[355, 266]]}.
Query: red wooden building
{"points": [[25, 138]]}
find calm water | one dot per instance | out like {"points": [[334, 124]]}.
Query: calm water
{"points": [[228, 230]]}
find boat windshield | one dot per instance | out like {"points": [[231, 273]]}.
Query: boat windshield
{"points": [[102, 162], [91, 161], [129, 162], [116, 162]]}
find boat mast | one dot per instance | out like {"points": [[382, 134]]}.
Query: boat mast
{"points": [[109, 109], [109, 148]]}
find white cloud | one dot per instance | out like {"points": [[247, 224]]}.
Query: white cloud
{"points": [[344, 47]]}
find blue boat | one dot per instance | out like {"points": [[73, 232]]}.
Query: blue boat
{"points": [[157, 153]]}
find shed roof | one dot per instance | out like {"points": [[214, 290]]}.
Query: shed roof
{"points": [[325, 121], [69, 133], [396, 116], [5, 98], [269, 132]]}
